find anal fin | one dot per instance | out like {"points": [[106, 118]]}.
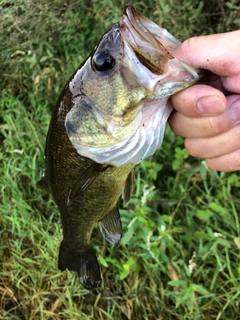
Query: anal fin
{"points": [[111, 226], [127, 191], [84, 263]]}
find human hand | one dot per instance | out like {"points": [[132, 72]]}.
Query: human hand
{"points": [[208, 116]]}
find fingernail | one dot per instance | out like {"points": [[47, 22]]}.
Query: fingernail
{"points": [[211, 105], [235, 110]]}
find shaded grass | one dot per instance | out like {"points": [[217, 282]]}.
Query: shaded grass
{"points": [[179, 255]]}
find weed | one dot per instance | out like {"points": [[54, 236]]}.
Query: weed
{"points": [[179, 255]]}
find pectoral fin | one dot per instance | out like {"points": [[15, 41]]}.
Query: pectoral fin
{"points": [[111, 226], [84, 181], [127, 191]]}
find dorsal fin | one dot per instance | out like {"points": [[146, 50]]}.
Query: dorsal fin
{"points": [[111, 226], [127, 191], [84, 181]]}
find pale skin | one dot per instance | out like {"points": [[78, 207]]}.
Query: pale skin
{"points": [[208, 116]]}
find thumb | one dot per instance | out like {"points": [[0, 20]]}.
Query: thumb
{"points": [[216, 52]]}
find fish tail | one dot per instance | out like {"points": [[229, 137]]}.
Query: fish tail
{"points": [[84, 263]]}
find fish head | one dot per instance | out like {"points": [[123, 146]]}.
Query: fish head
{"points": [[120, 94]]}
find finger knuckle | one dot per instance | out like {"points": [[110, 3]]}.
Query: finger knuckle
{"points": [[215, 165], [191, 147], [217, 125], [236, 160]]}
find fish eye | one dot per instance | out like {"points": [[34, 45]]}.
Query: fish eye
{"points": [[103, 61]]}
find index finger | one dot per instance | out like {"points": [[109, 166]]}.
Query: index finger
{"points": [[189, 102]]}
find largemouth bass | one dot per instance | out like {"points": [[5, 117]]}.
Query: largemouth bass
{"points": [[110, 116]]}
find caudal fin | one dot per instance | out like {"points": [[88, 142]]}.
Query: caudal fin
{"points": [[84, 263]]}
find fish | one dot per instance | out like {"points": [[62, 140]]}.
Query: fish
{"points": [[110, 116]]}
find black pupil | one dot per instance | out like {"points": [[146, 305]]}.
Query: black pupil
{"points": [[103, 61]]}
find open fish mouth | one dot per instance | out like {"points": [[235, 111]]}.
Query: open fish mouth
{"points": [[152, 46], [146, 58]]}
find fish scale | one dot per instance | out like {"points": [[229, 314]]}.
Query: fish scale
{"points": [[110, 116]]}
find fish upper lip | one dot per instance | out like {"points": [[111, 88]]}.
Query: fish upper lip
{"points": [[148, 48]]}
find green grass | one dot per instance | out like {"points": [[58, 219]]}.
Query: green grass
{"points": [[179, 255]]}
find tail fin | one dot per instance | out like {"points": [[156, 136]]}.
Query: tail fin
{"points": [[84, 263]]}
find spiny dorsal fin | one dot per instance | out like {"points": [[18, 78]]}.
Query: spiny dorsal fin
{"points": [[127, 191], [84, 181], [111, 226]]}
